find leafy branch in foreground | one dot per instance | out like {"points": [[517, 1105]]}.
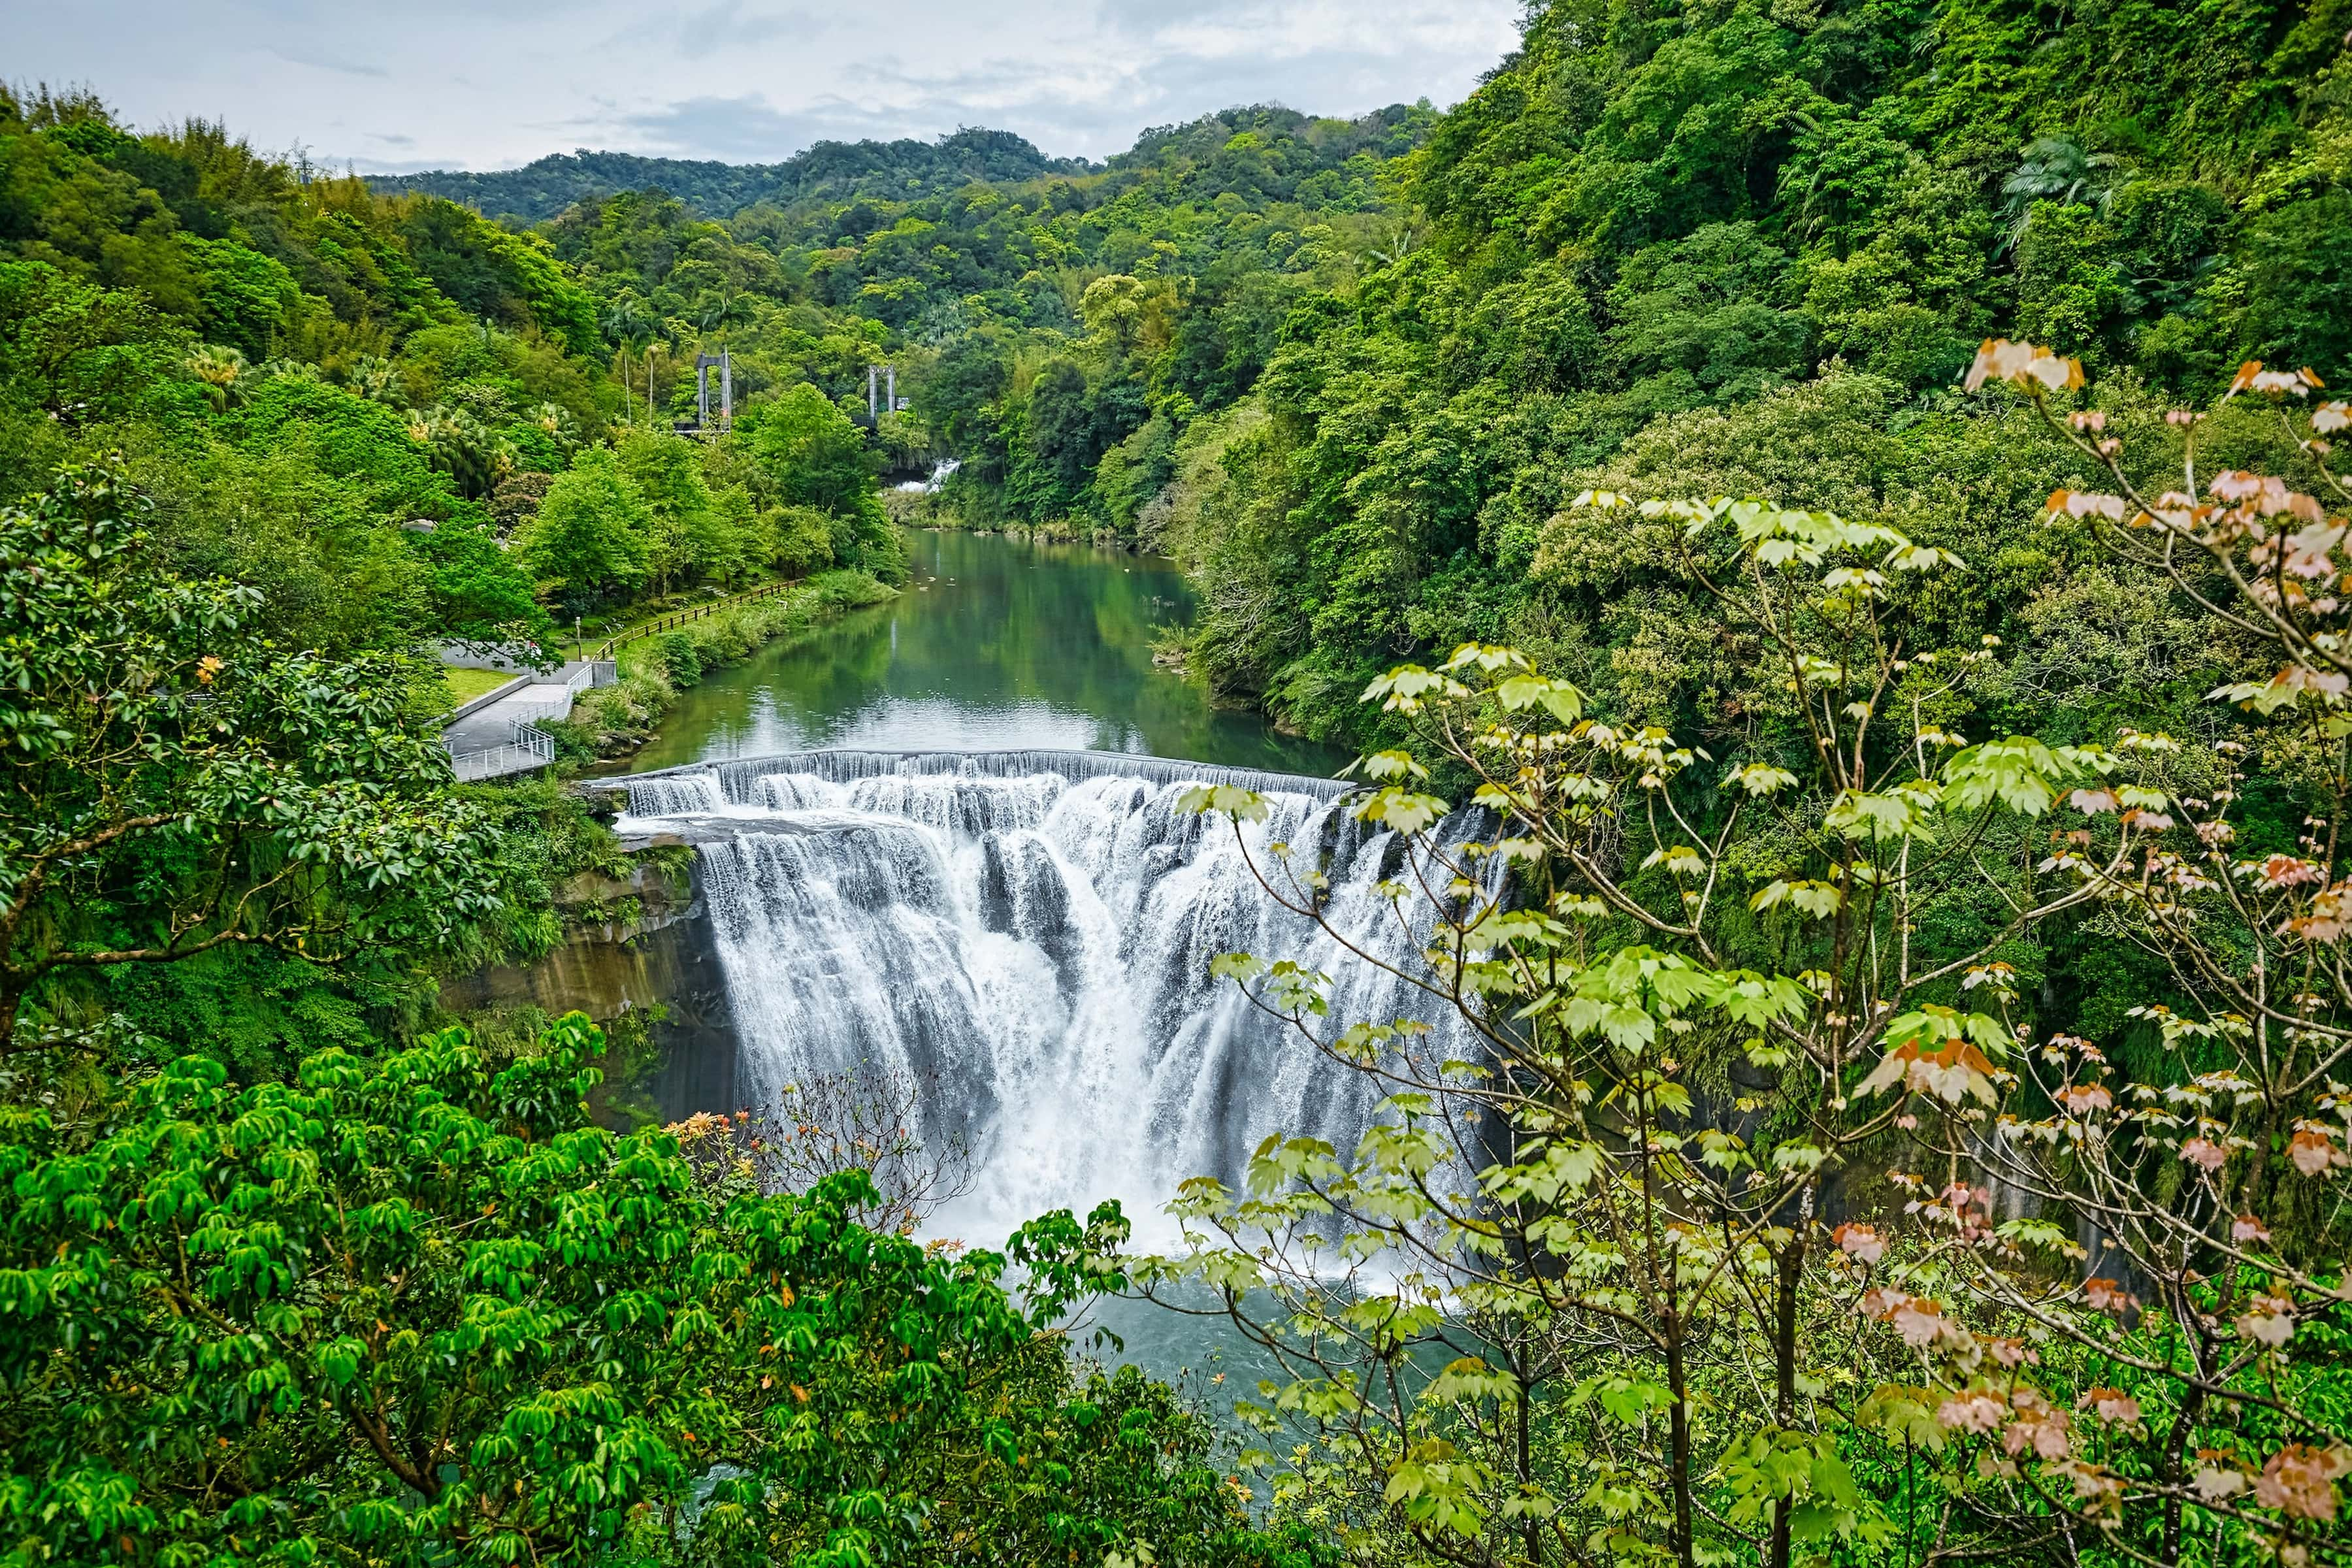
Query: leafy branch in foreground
{"points": [[177, 784], [2205, 1319], [1608, 1279], [405, 1311]]}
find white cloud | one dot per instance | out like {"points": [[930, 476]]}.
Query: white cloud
{"points": [[492, 83]]}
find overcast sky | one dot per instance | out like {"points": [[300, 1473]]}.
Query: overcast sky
{"points": [[487, 84]]}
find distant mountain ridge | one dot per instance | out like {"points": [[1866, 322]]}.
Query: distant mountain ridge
{"points": [[834, 171]]}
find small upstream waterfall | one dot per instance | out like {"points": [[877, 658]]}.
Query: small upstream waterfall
{"points": [[1035, 929], [940, 472]]}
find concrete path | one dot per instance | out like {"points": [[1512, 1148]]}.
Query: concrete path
{"points": [[483, 743]]}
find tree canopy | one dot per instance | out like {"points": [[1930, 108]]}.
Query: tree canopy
{"points": [[413, 1310]]}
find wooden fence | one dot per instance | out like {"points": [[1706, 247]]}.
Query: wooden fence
{"points": [[612, 645]]}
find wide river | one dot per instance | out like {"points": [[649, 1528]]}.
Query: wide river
{"points": [[995, 645]]}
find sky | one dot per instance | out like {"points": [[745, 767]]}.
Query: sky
{"points": [[489, 84]]}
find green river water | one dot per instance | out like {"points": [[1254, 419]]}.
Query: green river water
{"points": [[995, 645]]}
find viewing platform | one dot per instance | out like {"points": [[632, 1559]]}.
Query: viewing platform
{"points": [[496, 733]]}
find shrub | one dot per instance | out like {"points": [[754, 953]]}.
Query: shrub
{"points": [[679, 659], [541, 1342]]}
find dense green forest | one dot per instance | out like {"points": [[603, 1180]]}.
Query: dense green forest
{"points": [[1907, 1121], [1661, 234], [835, 171]]}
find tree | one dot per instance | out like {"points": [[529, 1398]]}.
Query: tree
{"points": [[799, 538], [809, 454], [2194, 1223], [558, 424], [1131, 315], [374, 379], [244, 299], [75, 351], [2057, 170], [461, 446], [1579, 1292], [224, 373], [589, 538], [688, 535], [627, 324], [721, 309], [1558, 1192], [479, 593], [971, 372], [180, 785], [414, 1310], [829, 1124], [1061, 422]]}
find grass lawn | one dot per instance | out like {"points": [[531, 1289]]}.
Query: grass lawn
{"points": [[465, 684]]}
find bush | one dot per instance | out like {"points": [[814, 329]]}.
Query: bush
{"points": [[542, 1342], [800, 539], [679, 659]]}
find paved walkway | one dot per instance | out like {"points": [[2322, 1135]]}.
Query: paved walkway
{"points": [[484, 743]]}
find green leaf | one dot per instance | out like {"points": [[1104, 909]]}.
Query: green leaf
{"points": [[1241, 966], [1224, 800], [1400, 809], [2018, 772], [1561, 699]]}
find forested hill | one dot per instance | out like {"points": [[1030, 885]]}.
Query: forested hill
{"points": [[829, 171], [1739, 246]]}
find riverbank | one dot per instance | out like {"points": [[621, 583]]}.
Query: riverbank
{"points": [[615, 720], [931, 511]]}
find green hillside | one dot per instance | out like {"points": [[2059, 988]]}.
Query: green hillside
{"points": [[1658, 220], [828, 171]]}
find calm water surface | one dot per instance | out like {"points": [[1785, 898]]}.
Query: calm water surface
{"points": [[996, 644]]}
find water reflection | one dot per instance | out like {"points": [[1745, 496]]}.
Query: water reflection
{"points": [[996, 644]]}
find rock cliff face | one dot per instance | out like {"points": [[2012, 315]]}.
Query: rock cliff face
{"points": [[663, 962]]}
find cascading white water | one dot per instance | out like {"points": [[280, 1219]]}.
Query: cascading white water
{"points": [[1035, 929], [940, 472]]}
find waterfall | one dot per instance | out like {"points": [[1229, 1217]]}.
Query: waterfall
{"points": [[940, 472], [1036, 929]]}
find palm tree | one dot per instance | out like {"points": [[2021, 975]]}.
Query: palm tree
{"points": [[1401, 242], [624, 319], [226, 375], [463, 448], [374, 379], [720, 308], [557, 421], [2057, 169], [627, 324]]}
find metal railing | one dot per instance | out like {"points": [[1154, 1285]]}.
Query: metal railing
{"points": [[526, 713], [530, 748], [611, 644]]}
